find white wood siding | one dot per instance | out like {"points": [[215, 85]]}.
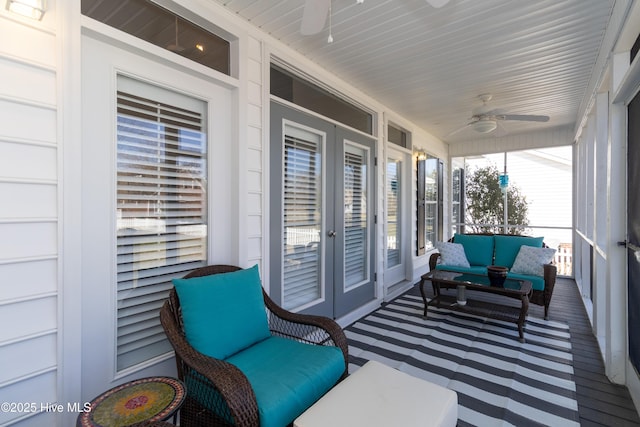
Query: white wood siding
{"points": [[255, 153], [28, 216]]}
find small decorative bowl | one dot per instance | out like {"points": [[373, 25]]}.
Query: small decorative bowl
{"points": [[497, 275]]}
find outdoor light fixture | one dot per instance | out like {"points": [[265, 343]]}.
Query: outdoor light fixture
{"points": [[33, 9], [485, 126], [422, 155]]}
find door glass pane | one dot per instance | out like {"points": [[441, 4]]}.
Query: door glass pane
{"points": [[302, 212], [394, 190], [431, 202], [161, 209], [294, 89], [163, 28], [355, 215], [397, 136]]}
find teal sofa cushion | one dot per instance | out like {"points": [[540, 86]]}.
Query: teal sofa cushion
{"points": [[288, 376], [476, 269], [478, 248], [507, 248], [223, 313], [537, 282]]}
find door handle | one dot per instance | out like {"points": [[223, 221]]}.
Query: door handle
{"points": [[629, 245], [331, 233]]}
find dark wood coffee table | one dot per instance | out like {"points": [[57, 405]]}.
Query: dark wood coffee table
{"points": [[518, 289]]}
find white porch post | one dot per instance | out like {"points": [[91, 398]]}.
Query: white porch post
{"points": [[615, 352]]}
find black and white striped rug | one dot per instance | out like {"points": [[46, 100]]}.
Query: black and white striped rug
{"points": [[499, 381]]}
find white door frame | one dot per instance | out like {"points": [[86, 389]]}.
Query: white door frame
{"points": [[102, 62]]}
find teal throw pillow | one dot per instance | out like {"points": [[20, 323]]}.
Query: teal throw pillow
{"points": [[507, 248], [478, 248], [531, 260], [452, 254], [223, 313]]}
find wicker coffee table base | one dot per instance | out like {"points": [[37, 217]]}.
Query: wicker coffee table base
{"points": [[493, 310]]}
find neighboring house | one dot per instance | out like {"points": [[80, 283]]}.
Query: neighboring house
{"points": [[70, 227]]}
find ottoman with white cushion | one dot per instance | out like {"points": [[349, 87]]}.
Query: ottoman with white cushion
{"points": [[377, 395]]}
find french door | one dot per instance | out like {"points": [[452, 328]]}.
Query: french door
{"points": [[396, 198], [322, 210]]}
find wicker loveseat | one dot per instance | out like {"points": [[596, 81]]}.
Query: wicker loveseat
{"points": [[268, 382], [484, 249]]}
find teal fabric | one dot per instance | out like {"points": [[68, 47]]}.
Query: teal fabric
{"points": [[223, 313], [288, 376], [537, 282], [507, 248], [477, 269], [478, 248]]}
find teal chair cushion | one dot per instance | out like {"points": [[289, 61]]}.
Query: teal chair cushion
{"points": [[288, 376], [537, 282], [478, 248], [223, 313], [507, 248]]}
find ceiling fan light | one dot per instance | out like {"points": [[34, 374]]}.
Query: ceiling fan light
{"points": [[485, 126], [437, 3]]}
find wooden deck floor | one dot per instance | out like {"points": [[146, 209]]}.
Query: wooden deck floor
{"points": [[600, 402]]}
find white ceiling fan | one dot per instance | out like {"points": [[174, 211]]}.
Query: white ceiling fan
{"points": [[484, 119], [316, 11]]}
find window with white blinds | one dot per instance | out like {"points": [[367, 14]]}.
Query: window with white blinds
{"points": [[302, 217], [161, 209], [356, 244], [393, 212]]}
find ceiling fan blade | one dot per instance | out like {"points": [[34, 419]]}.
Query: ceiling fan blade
{"points": [[525, 118], [437, 3], [314, 16], [460, 129]]}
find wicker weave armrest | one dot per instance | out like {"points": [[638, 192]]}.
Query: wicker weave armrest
{"points": [[433, 261], [217, 380], [550, 274]]}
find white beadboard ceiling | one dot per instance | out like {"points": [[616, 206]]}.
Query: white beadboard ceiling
{"points": [[429, 65]]}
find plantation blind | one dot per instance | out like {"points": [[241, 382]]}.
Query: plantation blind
{"points": [[355, 216], [302, 217], [161, 209], [393, 212]]}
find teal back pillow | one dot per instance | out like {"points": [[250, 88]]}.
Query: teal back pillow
{"points": [[478, 248], [507, 248], [223, 313]]}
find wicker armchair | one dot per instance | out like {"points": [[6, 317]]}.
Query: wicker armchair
{"points": [[226, 392]]}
